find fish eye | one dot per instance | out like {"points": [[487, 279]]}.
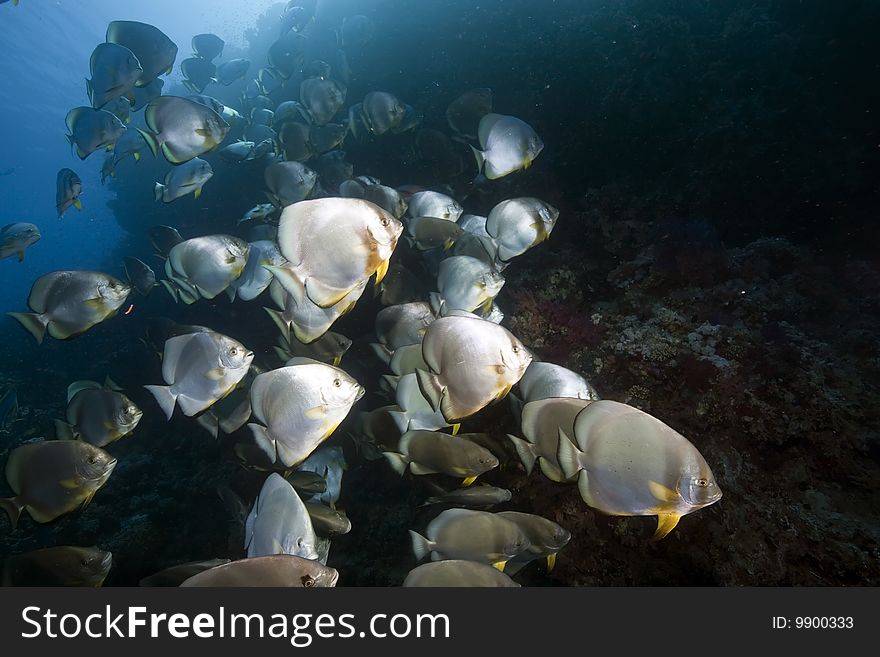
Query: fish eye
{"points": [[233, 351], [93, 459], [308, 581], [384, 221], [515, 349], [337, 383], [702, 483]]}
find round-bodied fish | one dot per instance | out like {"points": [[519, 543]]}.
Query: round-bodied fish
{"points": [[205, 266], [92, 130], [328, 522], [332, 246], [208, 46], [381, 111], [289, 182], [434, 204], [457, 573], [386, 198], [200, 368], [466, 283], [544, 380], [629, 463], [140, 275], [16, 238], [54, 477], [115, 70], [518, 224], [508, 144], [68, 303], [279, 523], [256, 278], [432, 452], [198, 73], [300, 406], [472, 362], [154, 50], [280, 570], [546, 538], [182, 128], [188, 178], [63, 565], [303, 317], [234, 69], [323, 98], [97, 415], [68, 187], [472, 535], [465, 112]]}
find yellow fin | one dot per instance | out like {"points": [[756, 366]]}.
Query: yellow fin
{"points": [[381, 271], [94, 304], [198, 192], [337, 360], [216, 374], [315, 412], [661, 492], [500, 565], [468, 481], [666, 522], [137, 156], [455, 428], [77, 204], [551, 562], [70, 483]]}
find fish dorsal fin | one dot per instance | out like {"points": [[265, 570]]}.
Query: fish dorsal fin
{"points": [[77, 386]]}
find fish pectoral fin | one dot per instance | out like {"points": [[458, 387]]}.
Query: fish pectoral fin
{"points": [[662, 493], [71, 483], [381, 271], [499, 565], [215, 374], [455, 428], [95, 304], [468, 481], [87, 500], [77, 204], [315, 412], [198, 192], [666, 522], [551, 562]]}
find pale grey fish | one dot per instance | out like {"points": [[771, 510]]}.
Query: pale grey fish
{"points": [[68, 303], [199, 368], [303, 317], [508, 144], [432, 452], [291, 110], [153, 49], [327, 137], [208, 101], [329, 348], [472, 362], [542, 422], [143, 95], [329, 462], [474, 496], [630, 463], [357, 31], [472, 535], [543, 380], [97, 415], [518, 224], [53, 477], [269, 80], [403, 324], [280, 570], [294, 139], [414, 410], [188, 178], [198, 73], [333, 245], [176, 575], [386, 198], [129, 144], [140, 275], [181, 128], [164, 238], [256, 278], [352, 188], [482, 248], [546, 538], [203, 267], [232, 117], [16, 238], [208, 46], [466, 283], [465, 112], [381, 111], [114, 70], [279, 523], [301, 406], [407, 359], [262, 116], [92, 130], [260, 212], [457, 573], [427, 233], [289, 182], [63, 565], [230, 413], [399, 286], [238, 151], [434, 204], [328, 522], [306, 482], [474, 224], [412, 119], [322, 97]]}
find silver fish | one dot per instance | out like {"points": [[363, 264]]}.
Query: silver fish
{"points": [[508, 144], [381, 111], [203, 267], [518, 224], [457, 573], [234, 69], [16, 238], [188, 178], [97, 415], [466, 283], [434, 204], [255, 278], [279, 523], [181, 128], [154, 50], [322, 97], [289, 182], [431, 452], [114, 70], [280, 570], [92, 130]]}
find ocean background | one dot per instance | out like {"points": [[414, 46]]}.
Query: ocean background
{"points": [[716, 168]]}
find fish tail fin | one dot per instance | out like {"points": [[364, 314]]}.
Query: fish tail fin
{"points": [[64, 431], [35, 324], [282, 324], [159, 191], [430, 386], [13, 509], [151, 140], [20, 255], [165, 398], [397, 461], [480, 157], [569, 456], [421, 546], [525, 451]]}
